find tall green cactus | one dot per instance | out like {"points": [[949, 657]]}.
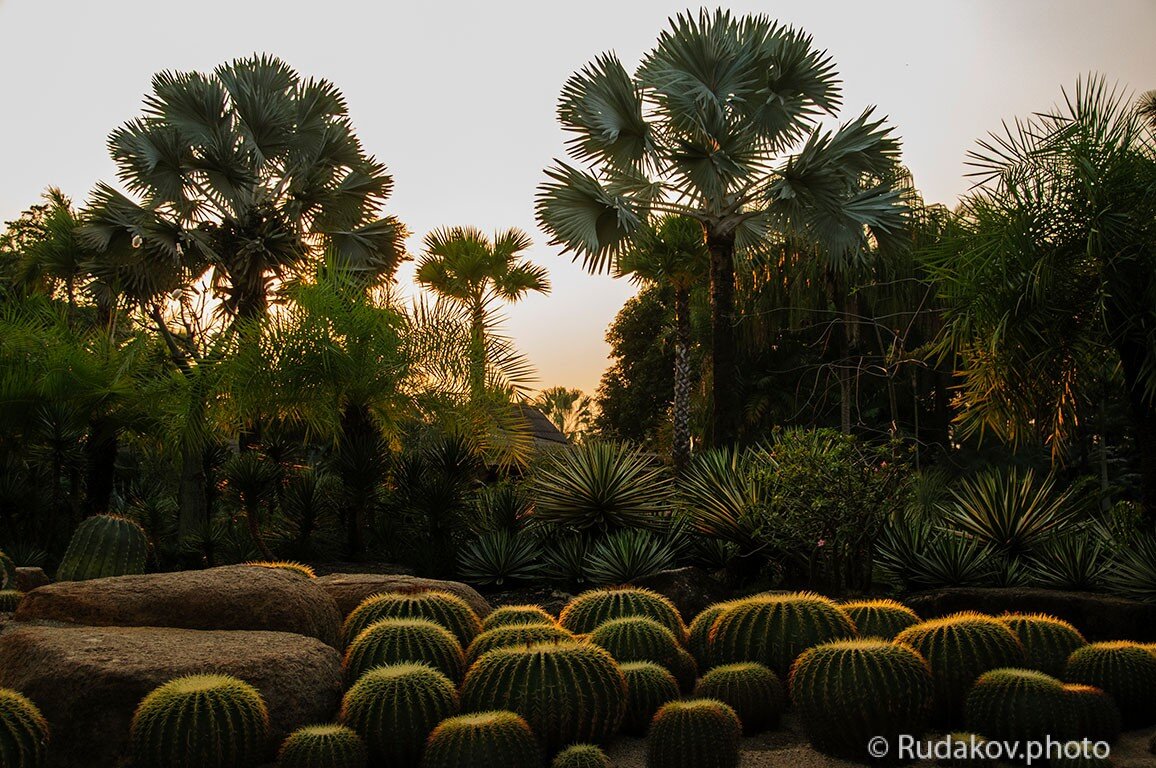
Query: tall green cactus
{"points": [[7, 572], [1095, 713], [568, 691], [514, 635], [636, 638], [496, 739], [750, 689], [23, 732], [648, 687], [323, 746], [880, 618], [697, 733], [1123, 670], [395, 708], [960, 648], [398, 641], [850, 691], [1019, 705], [9, 599], [582, 756], [200, 721], [104, 545], [774, 629], [517, 615], [590, 609], [1047, 641], [442, 608]]}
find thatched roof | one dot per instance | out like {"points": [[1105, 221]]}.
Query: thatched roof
{"points": [[543, 430]]}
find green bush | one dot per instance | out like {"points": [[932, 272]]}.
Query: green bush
{"points": [[9, 599], [1123, 670], [1019, 705], [23, 732], [699, 733], [636, 638], [648, 687], [590, 609], [500, 557], [401, 641], [850, 691], [750, 689], [1094, 712], [200, 721], [323, 746], [516, 615], [582, 756], [395, 708], [442, 608], [601, 486], [104, 545], [568, 691], [482, 740], [505, 637], [1047, 641], [880, 618]]}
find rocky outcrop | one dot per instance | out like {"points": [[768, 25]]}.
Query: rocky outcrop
{"points": [[28, 579], [349, 589]]}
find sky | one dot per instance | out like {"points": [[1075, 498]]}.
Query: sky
{"points": [[458, 98]]}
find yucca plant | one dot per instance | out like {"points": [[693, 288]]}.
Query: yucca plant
{"points": [[698, 733], [506, 506], [627, 555], [1075, 561], [722, 491], [564, 560], [517, 615], [1132, 572], [500, 557], [323, 746], [648, 687], [23, 732], [899, 544], [496, 739], [951, 560]]}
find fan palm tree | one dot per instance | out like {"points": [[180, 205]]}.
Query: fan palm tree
{"points": [[567, 409], [465, 266], [700, 130]]}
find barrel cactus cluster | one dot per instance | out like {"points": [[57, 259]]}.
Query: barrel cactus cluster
{"points": [[443, 608], [395, 708], [323, 746], [396, 641], [104, 545], [1047, 641], [582, 756], [517, 615], [591, 609], [514, 635], [880, 618], [694, 733], [1125, 671], [750, 689], [23, 732], [1019, 705], [497, 739]]}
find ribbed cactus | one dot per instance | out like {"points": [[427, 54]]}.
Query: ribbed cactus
{"points": [[200, 721], [400, 641], [699, 635], [1124, 671], [849, 691], [395, 708], [1094, 712], [23, 732], [285, 565], [496, 739], [442, 608], [568, 691], [514, 635], [517, 615], [880, 618], [648, 687], [9, 599], [7, 572], [1018, 705], [774, 629], [104, 545], [582, 756], [750, 689], [685, 670], [960, 648], [1047, 641], [697, 733], [323, 746], [586, 612], [636, 638]]}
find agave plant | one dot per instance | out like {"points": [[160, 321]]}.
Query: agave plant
{"points": [[564, 560], [626, 555], [499, 557], [950, 560], [900, 543], [1133, 570], [720, 491], [1075, 561], [502, 507]]}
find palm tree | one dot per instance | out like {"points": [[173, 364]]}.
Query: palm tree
{"points": [[672, 252], [700, 130], [567, 409], [465, 266]]}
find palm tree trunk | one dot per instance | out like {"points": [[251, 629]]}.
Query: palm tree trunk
{"points": [[724, 374], [477, 351], [100, 449], [841, 341], [680, 448]]}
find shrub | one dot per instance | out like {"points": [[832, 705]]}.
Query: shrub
{"points": [[1123, 670], [23, 732], [750, 689], [499, 558], [517, 615], [482, 740], [200, 721], [601, 486], [636, 638], [401, 641], [588, 610], [699, 733], [1018, 705], [568, 691], [849, 691], [285, 565], [1047, 641], [648, 687], [626, 555], [395, 708], [959, 649], [582, 756], [505, 637], [323, 746], [9, 599], [104, 545], [1094, 713], [774, 629], [880, 618], [442, 608]]}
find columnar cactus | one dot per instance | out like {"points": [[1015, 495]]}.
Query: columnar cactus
{"points": [[23, 732], [514, 635], [9, 599], [1095, 713], [582, 756], [7, 572], [750, 689], [960, 648], [1047, 641], [395, 708], [323, 746], [880, 618], [849, 691], [774, 629], [200, 721], [588, 610], [442, 608], [517, 615], [636, 638], [568, 691], [697, 733], [1123, 670], [104, 545], [648, 687], [496, 739], [285, 565], [398, 641], [1019, 705]]}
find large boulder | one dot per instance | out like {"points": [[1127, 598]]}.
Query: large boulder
{"points": [[237, 597], [349, 589], [88, 681], [691, 589], [28, 579]]}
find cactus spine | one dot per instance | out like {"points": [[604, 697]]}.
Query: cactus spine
{"points": [[23, 732], [514, 635], [442, 608], [200, 721], [400, 641], [517, 615], [104, 545], [1124, 671], [880, 618], [750, 689], [590, 609], [1047, 641], [1018, 705], [1095, 714], [582, 756], [648, 687], [395, 708], [697, 733], [496, 739], [285, 565], [323, 746]]}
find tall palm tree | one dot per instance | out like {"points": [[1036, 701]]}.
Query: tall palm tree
{"points": [[672, 252], [700, 130], [569, 410], [465, 266]]}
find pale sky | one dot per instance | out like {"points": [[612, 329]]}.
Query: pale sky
{"points": [[458, 98]]}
